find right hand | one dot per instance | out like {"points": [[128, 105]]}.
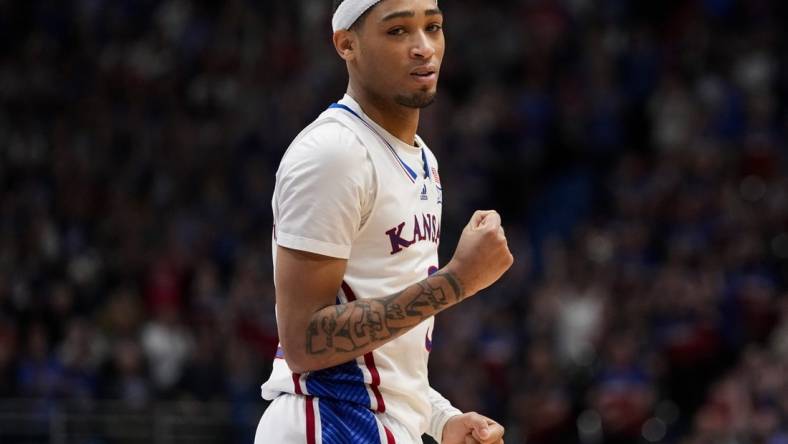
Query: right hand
{"points": [[482, 255]]}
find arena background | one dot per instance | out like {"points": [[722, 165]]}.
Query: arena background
{"points": [[636, 149]]}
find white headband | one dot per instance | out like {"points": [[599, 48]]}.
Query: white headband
{"points": [[349, 11]]}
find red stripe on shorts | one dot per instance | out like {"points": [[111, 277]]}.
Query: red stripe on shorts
{"points": [[310, 421], [297, 383]]}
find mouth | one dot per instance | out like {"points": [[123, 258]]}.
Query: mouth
{"points": [[424, 74]]}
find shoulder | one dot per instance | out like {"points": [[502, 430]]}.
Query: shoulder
{"points": [[327, 143]]}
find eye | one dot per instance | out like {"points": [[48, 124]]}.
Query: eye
{"points": [[396, 31], [434, 27]]}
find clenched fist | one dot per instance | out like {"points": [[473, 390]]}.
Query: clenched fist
{"points": [[472, 428], [482, 255]]}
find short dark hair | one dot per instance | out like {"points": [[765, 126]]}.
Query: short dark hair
{"points": [[360, 20]]}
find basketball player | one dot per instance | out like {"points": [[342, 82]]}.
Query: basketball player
{"points": [[357, 213]]}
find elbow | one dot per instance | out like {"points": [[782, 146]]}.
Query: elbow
{"points": [[298, 354], [298, 361], [304, 365], [297, 365]]}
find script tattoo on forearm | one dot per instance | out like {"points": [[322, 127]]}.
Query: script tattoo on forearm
{"points": [[349, 327]]}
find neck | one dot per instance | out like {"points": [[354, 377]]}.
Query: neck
{"points": [[400, 121]]}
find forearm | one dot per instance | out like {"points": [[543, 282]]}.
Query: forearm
{"points": [[340, 333]]}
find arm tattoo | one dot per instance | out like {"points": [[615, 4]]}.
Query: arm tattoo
{"points": [[348, 327], [459, 292]]}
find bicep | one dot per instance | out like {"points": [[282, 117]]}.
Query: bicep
{"points": [[305, 283]]}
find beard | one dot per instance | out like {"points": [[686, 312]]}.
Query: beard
{"points": [[421, 99]]}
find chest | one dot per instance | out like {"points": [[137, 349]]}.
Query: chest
{"points": [[406, 217]]}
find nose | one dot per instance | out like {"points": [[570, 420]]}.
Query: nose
{"points": [[423, 47]]}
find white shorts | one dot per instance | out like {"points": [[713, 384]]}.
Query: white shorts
{"points": [[297, 419]]}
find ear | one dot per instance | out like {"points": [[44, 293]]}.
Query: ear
{"points": [[346, 45]]}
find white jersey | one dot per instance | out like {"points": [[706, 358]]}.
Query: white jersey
{"points": [[347, 188]]}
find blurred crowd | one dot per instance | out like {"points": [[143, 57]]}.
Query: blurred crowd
{"points": [[636, 151]]}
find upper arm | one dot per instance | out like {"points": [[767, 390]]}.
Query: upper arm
{"points": [[322, 192], [319, 204], [305, 283]]}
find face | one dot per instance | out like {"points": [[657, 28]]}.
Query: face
{"points": [[398, 51]]}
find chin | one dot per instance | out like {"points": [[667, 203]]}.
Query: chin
{"points": [[421, 99]]}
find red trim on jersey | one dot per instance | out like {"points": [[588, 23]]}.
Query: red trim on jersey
{"points": [[310, 421], [348, 292], [297, 383], [389, 436], [369, 360]]}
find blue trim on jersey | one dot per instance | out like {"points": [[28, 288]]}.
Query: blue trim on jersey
{"points": [[342, 423], [409, 170], [426, 164], [343, 383]]}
